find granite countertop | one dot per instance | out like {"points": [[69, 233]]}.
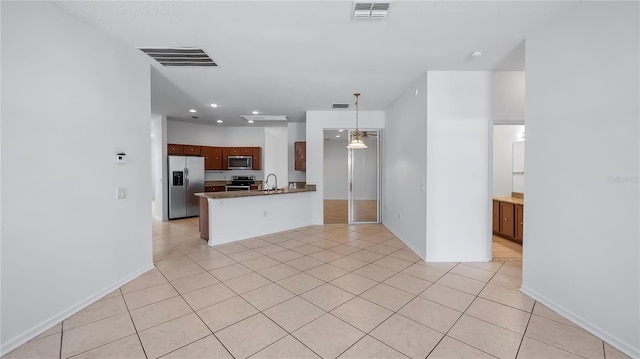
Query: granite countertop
{"points": [[253, 193], [512, 200]]}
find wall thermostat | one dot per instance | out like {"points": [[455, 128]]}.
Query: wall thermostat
{"points": [[121, 158]]}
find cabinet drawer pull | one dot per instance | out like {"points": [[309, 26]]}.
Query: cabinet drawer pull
{"points": [[505, 219]]}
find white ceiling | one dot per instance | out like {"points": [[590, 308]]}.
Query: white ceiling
{"points": [[287, 57]]}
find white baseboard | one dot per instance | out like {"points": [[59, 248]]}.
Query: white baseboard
{"points": [[611, 339], [33, 332], [408, 244]]}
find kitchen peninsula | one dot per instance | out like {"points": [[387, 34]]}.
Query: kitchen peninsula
{"points": [[231, 216]]}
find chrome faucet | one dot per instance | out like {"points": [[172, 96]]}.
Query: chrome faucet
{"points": [[276, 180]]}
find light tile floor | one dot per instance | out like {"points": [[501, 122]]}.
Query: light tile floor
{"points": [[321, 291]]}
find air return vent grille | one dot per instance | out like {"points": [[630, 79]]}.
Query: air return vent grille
{"points": [[370, 10], [340, 105], [181, 56]]}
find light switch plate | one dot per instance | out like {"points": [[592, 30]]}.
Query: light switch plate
{"points": [[121, 193]]}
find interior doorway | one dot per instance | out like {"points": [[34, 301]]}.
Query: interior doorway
{"points": [[351, 178], [364, 180], [507, 192]]}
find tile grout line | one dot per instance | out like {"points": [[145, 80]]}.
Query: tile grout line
{"points": [[463, 313], [525, 330], [134, 323], [61, 338], [465, 310], [295, 295], [325, 282], [387, 318], [95, 321], [281, 262], [192, 311]]}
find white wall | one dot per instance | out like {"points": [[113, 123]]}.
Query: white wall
{"points": [[336, 172], [507, 97], [458, 201], [503, 138], [275, 159], [317, 121], [212, 135], [405, 167], [297, 132], [72, 99], [582, 170], [159, 166]]}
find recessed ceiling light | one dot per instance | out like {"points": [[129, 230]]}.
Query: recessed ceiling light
{"points": [[250, 121], [340, 130], [219, 121], [214, 105], [476, 53], [192, 111], [255, 112], [337, 135]]}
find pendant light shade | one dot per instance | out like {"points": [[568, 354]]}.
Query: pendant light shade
{"points": [[356, 141]]}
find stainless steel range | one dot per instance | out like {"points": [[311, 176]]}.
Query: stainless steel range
{"points": [[240, 183]]}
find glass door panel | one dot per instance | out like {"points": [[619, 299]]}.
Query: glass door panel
{"points": [[364, 180]]}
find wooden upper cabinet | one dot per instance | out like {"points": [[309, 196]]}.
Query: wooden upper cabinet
{"points": [[225, 157], [174, 149], [212, 157], [300, 156], [519, 221], [246, 151], [235, 151], [191, 150], [256, 152], [507, 219]]}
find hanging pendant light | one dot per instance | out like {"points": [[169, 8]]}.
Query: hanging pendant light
{"points": [[356, 142]]}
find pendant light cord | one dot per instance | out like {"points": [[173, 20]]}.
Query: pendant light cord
{"points": [[357, 130]]}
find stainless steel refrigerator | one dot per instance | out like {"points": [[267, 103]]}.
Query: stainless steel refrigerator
{"points": [[186, 177]]}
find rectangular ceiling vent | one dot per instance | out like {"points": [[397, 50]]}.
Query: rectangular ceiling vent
{"points": [[180, 56], [340, 105], [368, 10]]}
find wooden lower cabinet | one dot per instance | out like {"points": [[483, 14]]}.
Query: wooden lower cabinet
{"points": [[215, 189], [519, 221], [508, 220], [204, 218], [496, 216]]}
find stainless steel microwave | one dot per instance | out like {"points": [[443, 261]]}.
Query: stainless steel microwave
{"points": [[240, 162]]}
